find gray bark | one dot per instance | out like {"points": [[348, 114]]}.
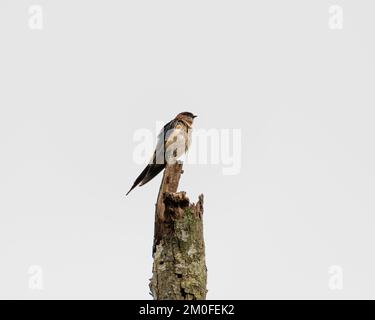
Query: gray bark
{"points": [[179, 267]]}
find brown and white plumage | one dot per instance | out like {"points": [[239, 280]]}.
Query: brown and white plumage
{"points": [[173, 141]]}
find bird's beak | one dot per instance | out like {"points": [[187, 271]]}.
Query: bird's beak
{"points": [[194, 117]]}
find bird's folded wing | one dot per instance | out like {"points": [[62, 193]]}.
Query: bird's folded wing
{"points": [[165, 138], [153, 170]]}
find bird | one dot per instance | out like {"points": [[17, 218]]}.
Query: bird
{"points": [[173, 141]]}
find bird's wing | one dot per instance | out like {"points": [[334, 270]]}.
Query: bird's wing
{"points": [[164, 139], [177, 142]]}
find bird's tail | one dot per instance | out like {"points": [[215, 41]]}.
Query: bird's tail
{"points": [[153, 170], [147, 174], [139, 179]]}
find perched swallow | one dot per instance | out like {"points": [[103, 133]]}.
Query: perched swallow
{"points": [[173, 141]]}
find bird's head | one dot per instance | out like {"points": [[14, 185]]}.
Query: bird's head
{"points": [[186, 116]]}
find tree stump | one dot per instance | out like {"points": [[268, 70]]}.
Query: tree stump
{"points": [[179, 267]]}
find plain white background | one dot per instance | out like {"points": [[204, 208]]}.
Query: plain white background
{"points": [[73, 94]]}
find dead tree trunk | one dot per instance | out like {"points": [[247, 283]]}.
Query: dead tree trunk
{"points": [[179, 270]]}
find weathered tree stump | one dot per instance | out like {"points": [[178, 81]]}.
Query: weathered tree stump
{"points": [[179, 267]]}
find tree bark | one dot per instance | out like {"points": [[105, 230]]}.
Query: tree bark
{"points": [[179, 267]]}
